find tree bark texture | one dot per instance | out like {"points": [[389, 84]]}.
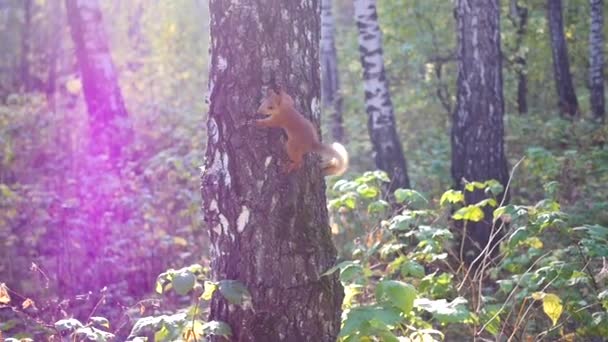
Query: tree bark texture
{"points": [[381, 119], [332, 99], [110, 127], [518, 13], [477, 123], [596, 59], [567, 102], [268, 229]]}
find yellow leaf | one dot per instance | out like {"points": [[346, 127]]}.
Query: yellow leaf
{"points": [[27, 303], [552, 305], [180, 241], [74, 86], [5, 298], [350, 292], [469, 213], [538, 295], [210, 287], [534, 242]]}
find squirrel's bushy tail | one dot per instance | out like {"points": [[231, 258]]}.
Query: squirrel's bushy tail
{"points": [[334, 158]]}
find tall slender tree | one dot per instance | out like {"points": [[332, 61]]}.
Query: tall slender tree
{"points": [[518, 14], [596, 59], [25, 44], [108, 118], [268, 229], [332, 99], [477, 123], [378, 105], [567, 102]]}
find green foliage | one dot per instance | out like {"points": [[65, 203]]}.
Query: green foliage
{"points": [[401, 272], [402, 277]]}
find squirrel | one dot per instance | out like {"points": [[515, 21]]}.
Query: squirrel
{"points": [[301, 134]]}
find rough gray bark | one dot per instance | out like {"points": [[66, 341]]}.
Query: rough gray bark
{"points": [[518, 14], [567, 102], [110, 127], [330, 94], [596, 59], [381, 119], [477, 123], [269, 230]]}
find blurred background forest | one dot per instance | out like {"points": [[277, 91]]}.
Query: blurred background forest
{"points": [[55, 263]]}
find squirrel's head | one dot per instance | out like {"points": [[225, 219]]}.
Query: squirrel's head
{"points": [[274, 102]]}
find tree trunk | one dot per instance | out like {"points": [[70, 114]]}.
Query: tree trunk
{"points": [[519, 17], [332, 99], [110, 127], [53, 50], [596, 59], [25, 45], [567, 101], [477, 126], [381, 119], [268, 229]]}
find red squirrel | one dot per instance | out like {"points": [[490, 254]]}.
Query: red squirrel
{"points": [[301, 134]]}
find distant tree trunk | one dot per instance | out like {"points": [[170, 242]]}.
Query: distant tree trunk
{"points": [[108, 118], [330, 94], [268, 229], [596, 59], [25, 45], [518, 14], [381, 119], [567, 101], [477, 126], [54, 8]]}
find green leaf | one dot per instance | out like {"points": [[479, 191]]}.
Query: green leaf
{"points": [[518, 236], [444, 311], [491, 319], [396, 293], [470, 213], [183, 282], [340, 267], [494, 187], [350, 272], [235, 292], [69, 324], [452, 196], [367, 191], [403, 222], [360, 319], [412, 268], [378, 206], [217, 328], [382, 176], [100, 321], [412, 196]]}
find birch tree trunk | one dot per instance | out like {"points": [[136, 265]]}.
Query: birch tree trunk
{"points": [[110, 127], [25, 45], [268, 229], [518, 13], [567, 102], [596, 59], [387, 148], [332, 99], [477, 124]]}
